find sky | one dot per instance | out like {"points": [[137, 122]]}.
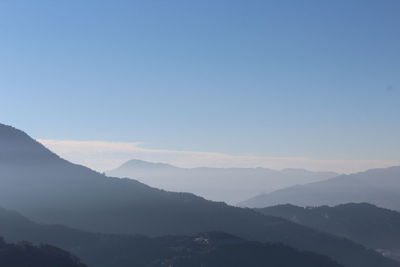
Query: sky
{"points": [[305, 84]]}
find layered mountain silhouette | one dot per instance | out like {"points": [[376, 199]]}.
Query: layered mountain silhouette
{"points": [[380, 187], [364, 223], [25, 254], [48, 189], [204, 249], [230, 185]]}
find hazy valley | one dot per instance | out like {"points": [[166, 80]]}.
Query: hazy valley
{"points": [[231, 185]]}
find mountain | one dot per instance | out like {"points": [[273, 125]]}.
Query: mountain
{"points": [[136, 164], [203, 249], [230, 185], [364, 223], [24, 254], [378, 186], [51, 190]]}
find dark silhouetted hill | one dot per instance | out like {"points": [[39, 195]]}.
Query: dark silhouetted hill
{"points": [[51, 190], [25, 254], [205, 249], [364, 223]]}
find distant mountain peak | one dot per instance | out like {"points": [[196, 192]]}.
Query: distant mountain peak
{"points": [[220, 184], [137, 163]]}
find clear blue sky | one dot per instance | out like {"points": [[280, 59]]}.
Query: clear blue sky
{"points": [[312, 78]]}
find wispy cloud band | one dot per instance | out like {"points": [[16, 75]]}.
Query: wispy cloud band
{"points": [[101, 156]]}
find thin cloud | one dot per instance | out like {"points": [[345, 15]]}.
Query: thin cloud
{"points": [[101, 156]]}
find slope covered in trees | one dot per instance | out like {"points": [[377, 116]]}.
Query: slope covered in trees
{"points": [[204, 249], [25, 254], [364, 223]]}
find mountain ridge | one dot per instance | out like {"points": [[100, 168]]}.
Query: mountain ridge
{"points": [[145, 163], [380, 187], [367, 224], [105, 250]]}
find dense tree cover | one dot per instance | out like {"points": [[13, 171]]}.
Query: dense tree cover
{"points": [[203, 250], [206, 249], [219, 249], [25, 254]]}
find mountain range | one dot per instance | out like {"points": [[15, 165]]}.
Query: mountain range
{"points": [[230, 185], [48, 189], [380, 187]]}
